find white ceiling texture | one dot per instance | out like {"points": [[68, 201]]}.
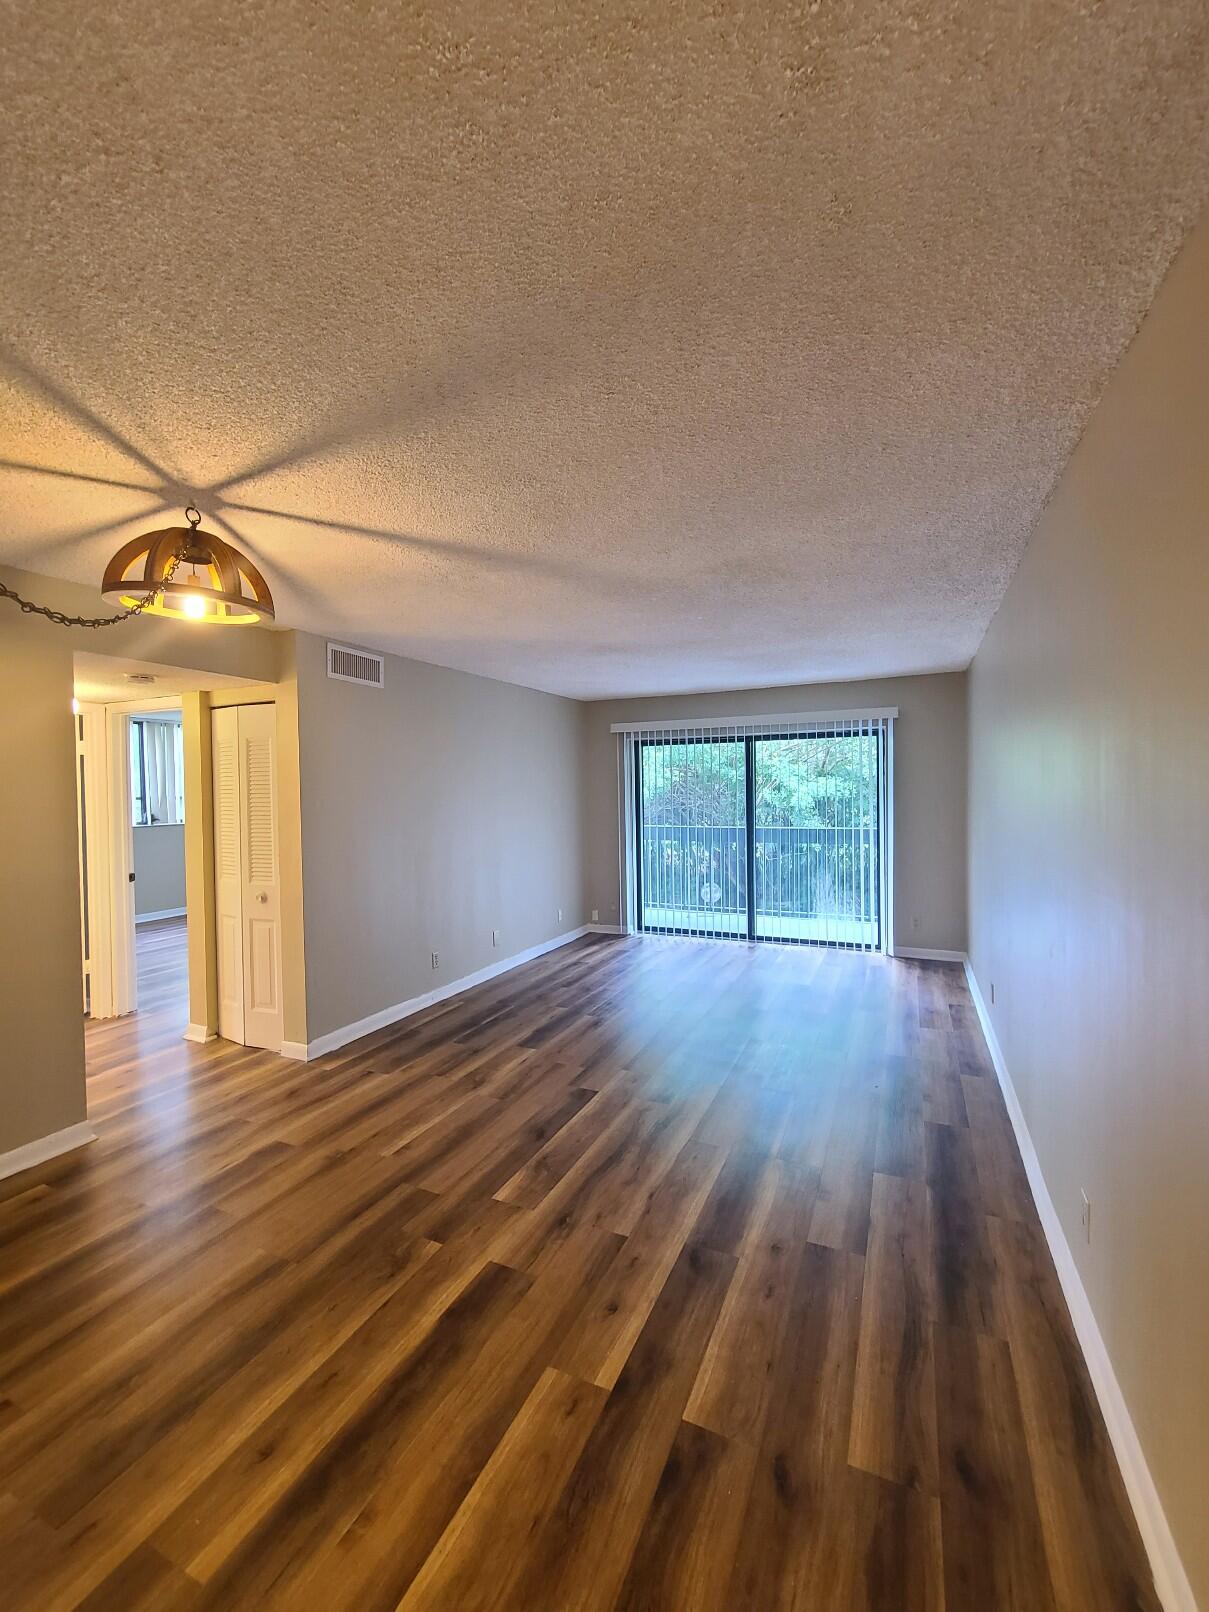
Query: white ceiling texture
{"points": [[603, 348]]}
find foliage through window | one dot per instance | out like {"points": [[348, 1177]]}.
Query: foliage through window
{"points": [[157, 770]]}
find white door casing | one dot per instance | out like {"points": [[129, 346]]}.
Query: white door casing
{"points": [[228, 876], [87, 904]]}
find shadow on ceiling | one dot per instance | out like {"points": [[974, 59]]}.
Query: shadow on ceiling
{"points": [[170, 491]]}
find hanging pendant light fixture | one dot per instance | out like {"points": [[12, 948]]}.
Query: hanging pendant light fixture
{"points": [[185, 574], [194, 575]]}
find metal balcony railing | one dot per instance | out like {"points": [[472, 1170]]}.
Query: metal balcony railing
{"points": [[813, 872]]}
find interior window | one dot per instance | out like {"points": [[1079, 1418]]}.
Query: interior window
{"points": [[157, 771]]}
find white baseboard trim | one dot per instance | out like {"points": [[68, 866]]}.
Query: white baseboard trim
{"points": [[603, 929], [168, 912], [198, 1032], [46, 1147], [1170, 1580], [932, 954], [335, 1039]]}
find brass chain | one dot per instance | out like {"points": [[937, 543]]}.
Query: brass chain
{"points": [[57, 616], [29, 608]]}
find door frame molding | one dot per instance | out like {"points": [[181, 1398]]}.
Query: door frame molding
{"points": [[93, 746]]}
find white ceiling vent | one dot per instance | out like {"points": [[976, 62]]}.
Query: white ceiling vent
{"points": [[354, 665]]}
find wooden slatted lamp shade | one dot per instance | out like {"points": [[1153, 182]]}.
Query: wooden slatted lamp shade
{"points": [[211, 582]]}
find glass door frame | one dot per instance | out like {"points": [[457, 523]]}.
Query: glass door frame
{"points": [[881, 882]]}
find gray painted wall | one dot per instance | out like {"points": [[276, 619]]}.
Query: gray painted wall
{"points": [[434, 810], [1089, 873], [159, 867], [41, 985]]}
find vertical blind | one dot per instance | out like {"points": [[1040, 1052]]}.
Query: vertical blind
{"points": [[768, 829], [157, 770]]}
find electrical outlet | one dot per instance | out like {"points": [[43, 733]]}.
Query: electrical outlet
{"points": [[495, 937], [1085, 1215], [595, 915], [436, 959], [915, 924], [560, 915]]}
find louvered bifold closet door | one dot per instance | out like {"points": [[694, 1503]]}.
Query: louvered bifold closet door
{"points": [[772, 829]]}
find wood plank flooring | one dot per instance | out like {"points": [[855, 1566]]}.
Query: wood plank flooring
{"points": [[655, 1274]]}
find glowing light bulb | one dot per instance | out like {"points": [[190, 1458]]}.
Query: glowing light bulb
{"points": [[193, 605]]}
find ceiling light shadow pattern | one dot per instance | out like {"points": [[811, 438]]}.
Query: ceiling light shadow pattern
{"points": [[61, 540], [29, 376], [24, 468], [554, 333], [499, 559], [302, 591], [402, 404], [167, 491]]}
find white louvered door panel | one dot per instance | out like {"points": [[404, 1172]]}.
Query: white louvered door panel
{"points": [[263, 1025], [228, 874]]}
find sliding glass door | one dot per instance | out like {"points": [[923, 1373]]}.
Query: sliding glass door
{"points": [[762, 836]]}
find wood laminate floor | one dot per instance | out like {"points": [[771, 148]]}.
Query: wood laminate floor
{"points": [[163, 992], [654, 1274]]}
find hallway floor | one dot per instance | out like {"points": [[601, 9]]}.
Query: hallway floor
{"points": [[161, 958], [161, 952], [653, 1274]]}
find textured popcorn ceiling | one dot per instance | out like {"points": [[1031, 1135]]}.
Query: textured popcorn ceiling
{"points": [[609, 348]]}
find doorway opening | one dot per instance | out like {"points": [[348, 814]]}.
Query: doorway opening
{"points": [[762, 832], [145, 850], [157, 802], [130, 785]]}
